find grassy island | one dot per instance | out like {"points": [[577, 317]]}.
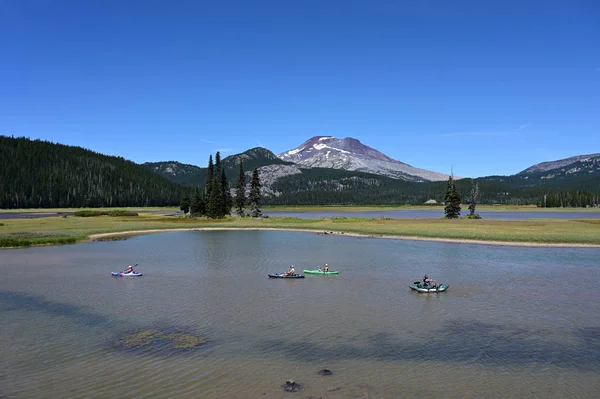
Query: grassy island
{"points": [[66, 229]]}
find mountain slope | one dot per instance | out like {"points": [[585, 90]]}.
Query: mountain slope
{"points": [[253, 158], [573, 166], [175, 171], [41, 174], [580, 173], [193, 175], [350, 154]]}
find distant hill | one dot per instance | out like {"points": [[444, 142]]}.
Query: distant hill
{"points": [[581, 172], [193, 175], [577, 165], [177, 172], [42, 174]]}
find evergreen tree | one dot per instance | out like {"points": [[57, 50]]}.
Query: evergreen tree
{"points": [[227, 200], [217, 165], [254, 197], [215, 208], [473, 200], [210, 173], [240, 191], [452, 200], [197, 204], [185, 203]]}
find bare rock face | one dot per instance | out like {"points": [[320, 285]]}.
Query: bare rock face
{"points": [[269, 175], [351, 154]]}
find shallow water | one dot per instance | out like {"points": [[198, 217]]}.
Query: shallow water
{"points": [[515, 322]]}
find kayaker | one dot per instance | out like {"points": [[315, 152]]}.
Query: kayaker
{"points": [[291, 271], [326, 268], [427, 280], [128, 270]]}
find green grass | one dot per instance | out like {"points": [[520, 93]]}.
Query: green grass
{"points": [[27, 239], [486, 208], [59, 230], [60, 210], [112, 212], [324, 208]]}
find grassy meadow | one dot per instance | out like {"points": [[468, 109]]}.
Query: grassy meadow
{"points": [[71, 229]]}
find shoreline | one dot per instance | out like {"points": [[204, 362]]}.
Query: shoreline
{"points": [[96, 237]]}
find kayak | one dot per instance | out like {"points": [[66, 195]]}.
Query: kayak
{"points": [[319, 272], [280, 276], [430, 288], [121, 274]]}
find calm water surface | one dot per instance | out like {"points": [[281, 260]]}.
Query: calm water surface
{"points": [[516, 322]]}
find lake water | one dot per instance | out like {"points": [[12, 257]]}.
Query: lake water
{"points": [[516, 321]]}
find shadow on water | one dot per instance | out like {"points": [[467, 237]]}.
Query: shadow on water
{"points": [[462, 342], [11, 301]]}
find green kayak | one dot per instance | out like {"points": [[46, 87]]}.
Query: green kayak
{"points": [[318, 272]]}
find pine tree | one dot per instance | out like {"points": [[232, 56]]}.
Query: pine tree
{"points": [[473, 200], [210, 173], [452, 200], [197, 204], [254, 197], [185, 203], [240, 191], [215, 207], [227, 200]]}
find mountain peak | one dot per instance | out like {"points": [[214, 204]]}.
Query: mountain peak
{"points": [[350, 154]]}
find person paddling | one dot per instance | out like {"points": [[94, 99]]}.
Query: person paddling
{"points": [[326, 268], [128, 270], [428, 281], [290, 272]]}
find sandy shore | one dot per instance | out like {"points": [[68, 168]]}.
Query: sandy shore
{"points": [[95, 237]]}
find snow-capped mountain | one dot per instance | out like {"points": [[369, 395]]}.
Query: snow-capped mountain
{"points": [[351, 154]]}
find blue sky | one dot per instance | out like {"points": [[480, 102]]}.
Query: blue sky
{"points": [[480, 87]]}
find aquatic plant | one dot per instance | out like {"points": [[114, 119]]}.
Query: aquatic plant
{"points": [[140, 338], [160, 340]]}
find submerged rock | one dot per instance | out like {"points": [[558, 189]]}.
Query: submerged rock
{"points": [[291, 386]]}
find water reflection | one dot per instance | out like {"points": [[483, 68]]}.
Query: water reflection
{"points": [[458, 341], [19, 301]]}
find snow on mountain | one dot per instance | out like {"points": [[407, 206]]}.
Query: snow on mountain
{"points": [[351, 154]]}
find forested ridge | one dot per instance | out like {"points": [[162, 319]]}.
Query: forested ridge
{"points": [[195, 176], [322, 186], [42, 174]]}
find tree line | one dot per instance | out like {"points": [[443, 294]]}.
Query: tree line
{"points": [[215, 199], [41, 174], [569, 199]]}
